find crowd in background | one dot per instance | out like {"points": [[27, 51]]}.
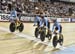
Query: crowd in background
{"points": [[57, 9]]}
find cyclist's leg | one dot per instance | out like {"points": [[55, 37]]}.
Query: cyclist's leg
{"points": [[48, 25], [49, 31], [15, 20], [18, 21], [60, 29], [12, 19], [38, 23], [19, 16]]}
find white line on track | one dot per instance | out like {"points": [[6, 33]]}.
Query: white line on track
{"points": [[26, 36]]}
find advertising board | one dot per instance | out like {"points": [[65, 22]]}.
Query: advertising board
{"points": [[72, 19]]}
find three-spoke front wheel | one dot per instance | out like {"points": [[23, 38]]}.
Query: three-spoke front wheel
{"points": [[55, 41]]}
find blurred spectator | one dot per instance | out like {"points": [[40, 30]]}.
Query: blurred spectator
{"points": [[57, 9]]}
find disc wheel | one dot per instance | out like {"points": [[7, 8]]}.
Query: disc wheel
{"points": [[55, 41], [61, 39], [36, 32], [12, 27], [21, 27]]}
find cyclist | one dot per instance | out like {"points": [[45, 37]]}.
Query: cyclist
{"points": [[40, 20], [56, 27], [13, 16]]}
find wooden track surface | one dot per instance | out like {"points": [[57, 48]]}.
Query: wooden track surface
{"points": [[10, 44]]}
